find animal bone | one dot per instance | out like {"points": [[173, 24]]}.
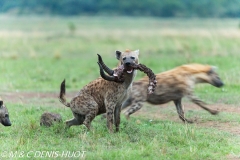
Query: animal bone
{"points": [[116, 75], [152, 77]]}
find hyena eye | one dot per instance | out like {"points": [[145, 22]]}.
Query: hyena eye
{"points": [[124, 58], [6, 115], [210, 72], [132, 57]]}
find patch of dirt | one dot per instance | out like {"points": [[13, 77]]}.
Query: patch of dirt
{"points": [[25, 97], [233, 157], [159, 112]]}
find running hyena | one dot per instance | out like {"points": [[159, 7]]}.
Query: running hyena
{"points": [[102, 96], [4, 115], [173, 85]]}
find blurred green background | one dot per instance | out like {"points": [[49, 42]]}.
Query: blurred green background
{"points": [[43, 42], [157, 8]]}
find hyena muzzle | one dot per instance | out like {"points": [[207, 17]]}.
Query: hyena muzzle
{"points": [[4, 115]]}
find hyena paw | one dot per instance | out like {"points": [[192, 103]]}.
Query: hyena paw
{"points": [[85, 129], [189, 121], [186, 121], [67, 126], [214, 112], [127, 116]]}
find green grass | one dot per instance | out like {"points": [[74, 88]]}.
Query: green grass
{"points": [[42, 50], [202, 115], [37, 53], [139, 138]]}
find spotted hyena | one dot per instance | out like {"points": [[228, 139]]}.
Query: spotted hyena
{"points": [[48, 119], [4, 115], [102, 96], [173, 85]]}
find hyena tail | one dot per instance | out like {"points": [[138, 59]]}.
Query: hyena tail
{"points": [[62, 97]]}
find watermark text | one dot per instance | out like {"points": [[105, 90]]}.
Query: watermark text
{"points": [[42, 154]]}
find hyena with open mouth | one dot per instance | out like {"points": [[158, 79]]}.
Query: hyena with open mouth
{"points": [[102, 96], [4, 115]]}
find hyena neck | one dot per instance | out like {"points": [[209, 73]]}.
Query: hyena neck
{"points": [[128, 78]]}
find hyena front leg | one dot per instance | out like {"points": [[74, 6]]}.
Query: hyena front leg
{"points": [[117, 112], [202, 105], [180, 110], [136, 105], [110, 110]]}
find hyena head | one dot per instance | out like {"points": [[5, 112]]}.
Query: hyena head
{"points": [[127, 58], [4, 115], [214, 78], [208, 74]]}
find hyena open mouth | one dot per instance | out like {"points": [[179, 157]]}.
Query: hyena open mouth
{"points": [[128, 69], [117, 75]]}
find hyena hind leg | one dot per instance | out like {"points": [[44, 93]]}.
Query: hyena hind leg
{"points": [[89, 117], [77, 120], [180, 111], [134, 108], [127, 103]]}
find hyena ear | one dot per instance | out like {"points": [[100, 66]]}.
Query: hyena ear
{"points": [[118, 54], [214, 68], [136, 52]]}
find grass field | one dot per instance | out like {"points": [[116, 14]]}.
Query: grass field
{"points": [[37, 53]]}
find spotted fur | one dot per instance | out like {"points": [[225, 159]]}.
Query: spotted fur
{"points": [[101, 96], [48, 119]]}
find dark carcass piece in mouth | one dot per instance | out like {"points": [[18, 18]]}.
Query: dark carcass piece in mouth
{"points": [[116, 75], [152, 77], [113, 75]]}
